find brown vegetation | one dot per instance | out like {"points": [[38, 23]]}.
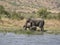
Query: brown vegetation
{"points": [[30, 5]]}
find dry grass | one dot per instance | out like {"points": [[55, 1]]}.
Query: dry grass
{"points": [[9, 22], [52, 25], [29, 5], [48, 23]]}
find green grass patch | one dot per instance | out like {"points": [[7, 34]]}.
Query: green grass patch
{"points": [[22, 31]]}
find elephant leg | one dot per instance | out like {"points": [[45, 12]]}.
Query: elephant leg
{"points": [[25, 28], [41, 26], [33, 28], [42, 29]]}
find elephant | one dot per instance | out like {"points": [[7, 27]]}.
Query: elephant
{"points": [[33, 28], [34, 23], [29, 26]]}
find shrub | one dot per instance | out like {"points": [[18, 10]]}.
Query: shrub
{"points": [[3, 11], [51, 16], [58, 15], [0, 17], [15, 15], [42, 12], [21, 17]]}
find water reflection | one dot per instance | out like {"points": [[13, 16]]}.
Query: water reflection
{"points": [[15, 39]]}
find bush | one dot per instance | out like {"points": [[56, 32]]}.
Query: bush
{"points": [[3, 11], [58, 15], [15, 15], [52, 16], [0, 17], [42, 12], [21, 17]]}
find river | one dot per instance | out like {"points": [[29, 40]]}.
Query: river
{"points": [[23, 39]]}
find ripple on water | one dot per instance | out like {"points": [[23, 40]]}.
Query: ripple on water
{"points": [[15, 39]]}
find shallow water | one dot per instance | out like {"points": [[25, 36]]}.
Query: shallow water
{"points": [[15, 39]]}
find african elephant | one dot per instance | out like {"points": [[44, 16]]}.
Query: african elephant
{"points": [[28, 25], [35, 22]]}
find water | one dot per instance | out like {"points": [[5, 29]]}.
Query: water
{"points": [[15, 39]]}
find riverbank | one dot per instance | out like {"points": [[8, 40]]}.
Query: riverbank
{"points": [[52, 26]]}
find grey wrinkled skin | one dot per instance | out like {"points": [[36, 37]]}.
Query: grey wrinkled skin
{"points": [[29, 26], [26, 26], [33, 28], [34, 23]]}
